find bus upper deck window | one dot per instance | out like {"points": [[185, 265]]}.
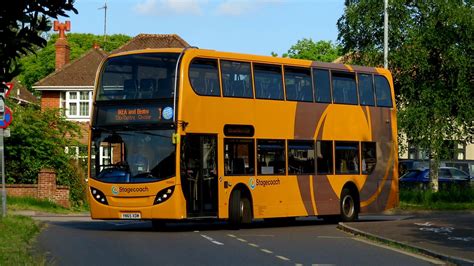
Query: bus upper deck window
{"points": [[298, 84], [204, 77], [382, 91], [322, 87], [366, 89], [236, 79], [344, 89], [268, 82]]}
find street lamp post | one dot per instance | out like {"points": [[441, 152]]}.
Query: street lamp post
{"points": [[385, 35]]}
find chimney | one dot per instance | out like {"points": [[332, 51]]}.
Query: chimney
{"points": [[62, 47], [96, 45]]}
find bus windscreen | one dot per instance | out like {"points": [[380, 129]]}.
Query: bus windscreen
{"points": [[138, 76]]}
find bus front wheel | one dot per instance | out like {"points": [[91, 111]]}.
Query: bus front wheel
{"points": [[349, 208], [240, 211]]}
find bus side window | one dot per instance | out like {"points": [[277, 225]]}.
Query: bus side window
{"points": [[268, 82], [347, 157], [301, 157], [382, 91], [298, 84], [369, 157], [322, 86], [366, 89], [204, 77], [344, 88], [239, 157], [236, 79], [271, 159], [324, 157]]}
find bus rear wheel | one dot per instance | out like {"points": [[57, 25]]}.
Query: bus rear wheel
{"points": [[240, 210], [349, 207]]}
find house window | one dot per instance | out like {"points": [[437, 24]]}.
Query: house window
{"points": [[77, 104]]}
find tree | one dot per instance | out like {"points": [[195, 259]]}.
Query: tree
{"points": [[38, 140], [37, 66], [431, 56], [21, 26], [323, 51]]}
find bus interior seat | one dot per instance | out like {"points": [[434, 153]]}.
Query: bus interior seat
{"points": [[165, 88], [129, 88], [238, 166], [147, 87], [291, 92]]}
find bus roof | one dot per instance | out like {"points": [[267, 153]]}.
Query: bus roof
{"points": [[260, 59]]}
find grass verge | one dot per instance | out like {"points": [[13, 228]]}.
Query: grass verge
{"points": [[453, 198], [17, 234], [42, 205]]}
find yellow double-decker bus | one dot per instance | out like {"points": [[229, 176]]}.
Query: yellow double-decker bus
{"points": [[191, 133]]}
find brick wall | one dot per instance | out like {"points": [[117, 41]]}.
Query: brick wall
{"points": [[50, 99], [45, 189]]}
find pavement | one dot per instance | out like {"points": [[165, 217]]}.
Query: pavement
{"points": [[444, 235]]}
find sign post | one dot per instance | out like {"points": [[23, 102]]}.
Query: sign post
{"points": [[6, 119]]}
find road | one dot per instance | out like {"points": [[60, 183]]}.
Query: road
{"points": [[303, 242]]}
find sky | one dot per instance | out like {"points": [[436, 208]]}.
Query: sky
{"points": [[244, 26]]}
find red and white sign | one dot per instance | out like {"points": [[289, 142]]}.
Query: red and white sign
{"points": [[10, 87], [7, 118]]}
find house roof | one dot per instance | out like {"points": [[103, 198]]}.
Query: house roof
{"points": [[82, 71], [22, 94], [143, 41]]}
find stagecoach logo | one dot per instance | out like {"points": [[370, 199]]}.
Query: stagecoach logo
{"points": [[115, 190], [168, 113], [252, 183]]}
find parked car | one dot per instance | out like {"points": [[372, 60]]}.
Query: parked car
{"points": [[447, 176]]}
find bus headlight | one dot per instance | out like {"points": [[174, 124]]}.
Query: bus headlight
{"points": [[163, 195], [99, 196]]}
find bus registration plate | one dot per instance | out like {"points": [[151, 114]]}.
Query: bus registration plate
{"points": [[131, 215]]}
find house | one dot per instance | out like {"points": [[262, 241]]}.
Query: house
{"points": [[71, 85], [21, 95]]}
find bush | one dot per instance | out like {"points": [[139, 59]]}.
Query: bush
{"points": [[435, 200], [38, 140]]}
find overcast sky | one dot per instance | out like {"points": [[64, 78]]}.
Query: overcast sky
{"points": [[247, 26]]}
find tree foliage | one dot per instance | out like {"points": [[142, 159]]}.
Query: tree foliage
{"points": [[37, 66], [324, 51], [21, 26], [431, 57], [38, 140]]}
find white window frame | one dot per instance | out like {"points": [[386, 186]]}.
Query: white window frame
{"points": [[66, 102]]}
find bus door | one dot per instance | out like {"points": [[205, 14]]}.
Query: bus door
{"points": [[199, 174]]}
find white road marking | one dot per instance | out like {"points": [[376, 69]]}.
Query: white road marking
{"points": [[212, 240], [266, 251], [231, 235], [283, 258], [253, 245], [298, 264], [242, 240]]}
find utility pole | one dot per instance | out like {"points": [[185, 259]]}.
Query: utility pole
{"points": [[105, 21], [385, 35]]}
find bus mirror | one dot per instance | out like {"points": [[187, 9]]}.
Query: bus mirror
{"points": [[175, 138]]}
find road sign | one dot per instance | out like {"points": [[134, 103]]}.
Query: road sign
{"points": [[7, 118], [5, 112]]}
